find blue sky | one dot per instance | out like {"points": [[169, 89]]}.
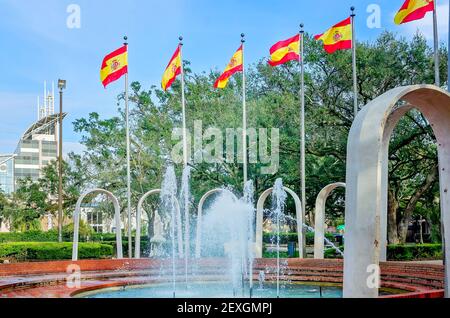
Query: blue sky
{"points": [[37, 45]]}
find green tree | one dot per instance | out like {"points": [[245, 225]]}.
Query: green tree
{"points": [[273, 101]]}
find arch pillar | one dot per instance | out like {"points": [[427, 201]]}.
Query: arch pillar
{"points": [[137, 248], [366, 194], [198, 240], [300, 217], [76, 220], [319, 223]]}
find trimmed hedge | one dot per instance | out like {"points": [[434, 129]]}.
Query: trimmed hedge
{"points": [[49, 251], [31, 236], [52, 236], [145, 247], [293, 237], [414, 252]]}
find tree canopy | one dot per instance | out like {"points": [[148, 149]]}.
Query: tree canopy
{"points": [[273, 98]]}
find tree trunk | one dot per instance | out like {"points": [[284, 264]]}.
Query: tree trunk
{"points": [[407, 215], [392, 218]]}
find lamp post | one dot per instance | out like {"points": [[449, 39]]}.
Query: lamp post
{"points": [[61, 86]]}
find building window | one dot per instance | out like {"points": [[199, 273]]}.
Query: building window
{"points": [[95, 220]]}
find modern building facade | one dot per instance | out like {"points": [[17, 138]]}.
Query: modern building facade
{"points": [[38, 146], [36, 149], [7, 173]]}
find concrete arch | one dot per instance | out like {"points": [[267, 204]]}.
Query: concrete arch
{"points": [[319, 229], [137, 248], [259, 222], [76, 220], [198, 240], [367, 179]]}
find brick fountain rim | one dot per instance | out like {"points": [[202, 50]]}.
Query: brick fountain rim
{"points": [[48, 279]]}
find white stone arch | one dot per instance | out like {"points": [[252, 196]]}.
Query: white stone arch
{"points": [[137, 248], [367, 169], [198, 239], [76, 221], [319, 223], [260, 216]]}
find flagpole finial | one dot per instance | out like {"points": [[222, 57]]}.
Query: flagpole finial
{"points": [[125, 38], [181, 40], [353, 11], [242, 37], [301, 28]]}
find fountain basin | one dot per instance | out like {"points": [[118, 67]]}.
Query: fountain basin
{"points": [[49, 279]]}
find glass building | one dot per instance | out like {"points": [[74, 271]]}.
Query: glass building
{"points": [[36, 149], [7, 173]]}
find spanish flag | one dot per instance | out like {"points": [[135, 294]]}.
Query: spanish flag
{"points": [[114, 66], [284, 51], [173, 70], [414, 10], [339, 37], [235, 65]]}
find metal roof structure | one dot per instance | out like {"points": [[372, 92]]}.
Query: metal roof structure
{"points": [[42, 125]]}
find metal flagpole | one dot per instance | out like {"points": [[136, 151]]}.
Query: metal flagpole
{"points": [[186, 161], [61, 85], [127, 119], [183, 104], [244, 114], [303, 135], [436, 47], [448, 88], [355, 81]]}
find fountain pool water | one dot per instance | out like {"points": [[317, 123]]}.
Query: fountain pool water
{"points": [[218, 290], [227, 231]]}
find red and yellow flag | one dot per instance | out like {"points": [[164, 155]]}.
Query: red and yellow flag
{"points": [[235, 65], [285, 51], [173, 70], [414, 10], [114, 66], [339, 37]]}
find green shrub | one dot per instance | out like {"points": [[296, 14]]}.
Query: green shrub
{"points": [[30, 236], [267, 254], [84, 232], [332, 253], [414, 252], [46, 251], [145, 246], [50, 236], [292, 237]]}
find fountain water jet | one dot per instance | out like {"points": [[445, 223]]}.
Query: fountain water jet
{"points": [[279, 197], [185, 199]]}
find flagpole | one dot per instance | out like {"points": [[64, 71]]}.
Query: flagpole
{"points": [[186, 162], [303, 136], [183, 104], [355, 80], [127, 119], [436, 47], [244, 114]]}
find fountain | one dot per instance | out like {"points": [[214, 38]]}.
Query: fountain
{"points": [[227, 261], [279, 197]]}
